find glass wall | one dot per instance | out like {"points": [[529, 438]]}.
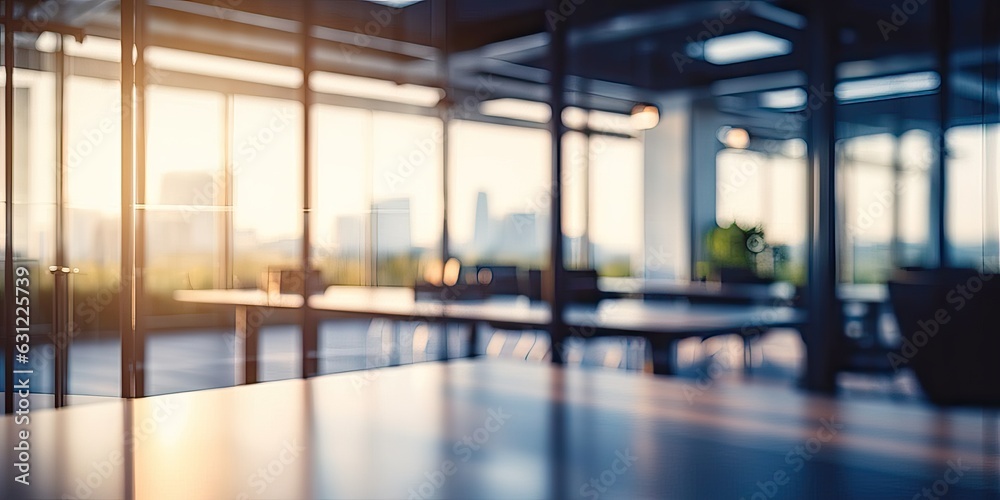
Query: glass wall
{"points": [[93, 231], [972, 185], [766, 190], [66, 145], [377, 196], [499, 199], [407, 199], [341, 194], [886, 188], [266, 173]]}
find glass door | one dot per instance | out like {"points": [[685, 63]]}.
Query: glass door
{"points": [[64, 197]]}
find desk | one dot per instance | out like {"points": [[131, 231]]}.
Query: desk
{"points": [[659, 322], [759, 293], [329, 438]]}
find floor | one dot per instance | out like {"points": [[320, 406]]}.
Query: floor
{"points": [[196, 359], [490, 428]]}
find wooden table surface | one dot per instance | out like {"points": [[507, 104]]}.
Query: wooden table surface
{"points": [[502, 429]]}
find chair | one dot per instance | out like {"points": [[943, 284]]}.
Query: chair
{"points": [[498, 280], [529, 284], [948, 318], [580, 286]]}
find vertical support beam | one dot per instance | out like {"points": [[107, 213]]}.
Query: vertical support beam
{"points": [[370, 258], [443, 14], [895, 244], [8, 278], [310, 341], [586, 260], [939, 174], [824, 327], [62, 281], [225, 198], [554, 284], [704, 145], [139, 108], [667, 192], [130, 363], [990, 108]]}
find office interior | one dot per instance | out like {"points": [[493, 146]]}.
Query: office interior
{"points": [[527, 249]]}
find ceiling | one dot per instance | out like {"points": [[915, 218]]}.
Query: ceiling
{"points": [[619, 52]]}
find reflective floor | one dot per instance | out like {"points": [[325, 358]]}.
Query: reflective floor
{"points": [[504, 429], [195, 359]]}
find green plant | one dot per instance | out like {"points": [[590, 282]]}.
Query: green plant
{"points": [[734, 247]]}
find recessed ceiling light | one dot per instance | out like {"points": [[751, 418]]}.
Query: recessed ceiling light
{"points": [[517, 109], [886, 87], [644, 116], [740, 47], [371, 88], [790, 99]]}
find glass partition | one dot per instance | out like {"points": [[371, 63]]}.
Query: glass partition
{"points": [[499, 201]]}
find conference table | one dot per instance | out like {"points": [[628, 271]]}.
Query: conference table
{"points": [[772, 293], [661, 323], [503, 429]]}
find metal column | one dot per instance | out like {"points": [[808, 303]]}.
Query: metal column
{"points": [[554, 284], [939, 173], [824, 328], [310, 343], [130, 364], [61, 311], [8, 99]]}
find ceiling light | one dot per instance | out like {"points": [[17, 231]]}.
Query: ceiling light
{"points": [[47, 42], [886, 87], [223, 67], [517, 109], [575, 118], [644, 116], [371, 88], [741, 47], [790, 99], [735, 138]]}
